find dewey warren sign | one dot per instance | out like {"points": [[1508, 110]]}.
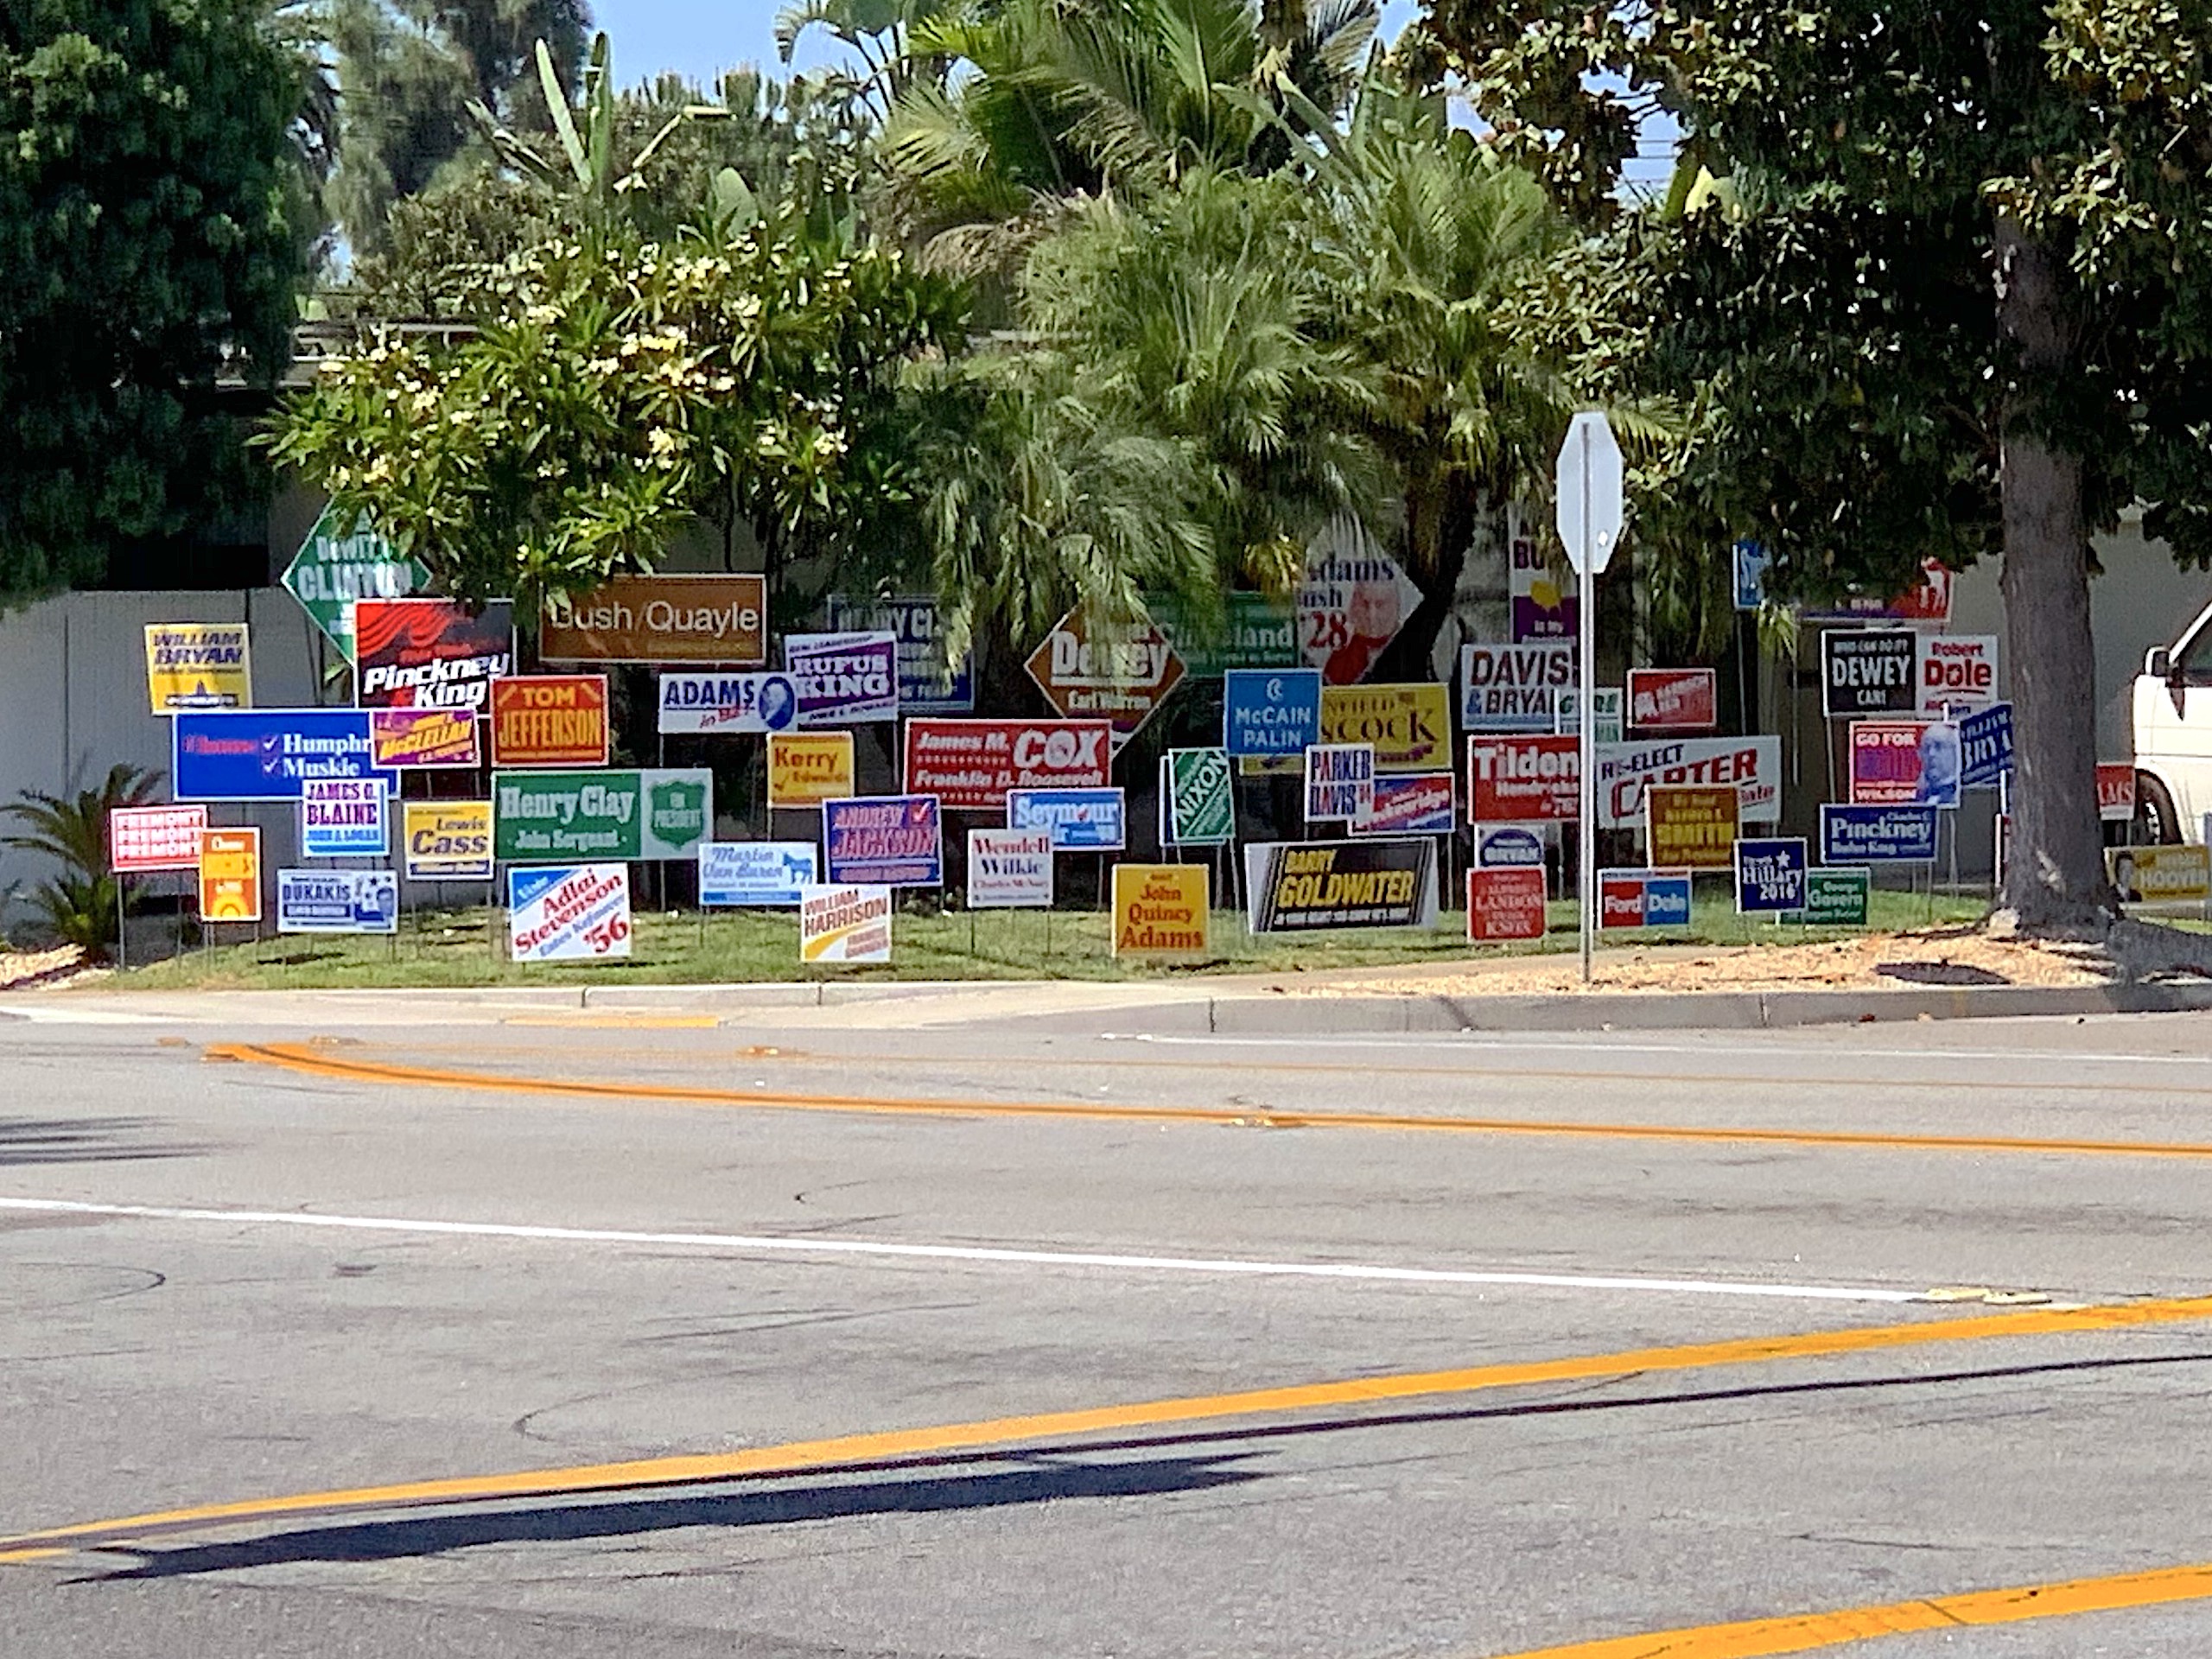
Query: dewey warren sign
{"points": [[1117, 673]]}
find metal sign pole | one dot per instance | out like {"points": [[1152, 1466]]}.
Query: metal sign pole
{"points": [[1586, 838]]}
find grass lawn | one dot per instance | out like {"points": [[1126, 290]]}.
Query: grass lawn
{"points": [[449, 947]]}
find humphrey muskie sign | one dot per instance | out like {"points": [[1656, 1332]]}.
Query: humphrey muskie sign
{"points": [[1295, 887]]}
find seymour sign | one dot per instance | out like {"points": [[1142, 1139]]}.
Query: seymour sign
{"points": [[971, 764], [1522, 779], [662, 620]]}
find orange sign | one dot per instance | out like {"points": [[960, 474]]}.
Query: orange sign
{"points": [[1161, 911], [549, 720], [661, 619], [1692, 827], [807, 768], [230, 875]]}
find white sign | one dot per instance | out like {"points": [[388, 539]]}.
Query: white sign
{"points": [[844, 924], [1957, 671], [756, 872], [1607, 703], [1753, 765], [1513, 688], [1590, 507], [691, 704], [343, 817], [1352, 602], [572, 912], [337, 902], [1339, 782], [1009, 869]]}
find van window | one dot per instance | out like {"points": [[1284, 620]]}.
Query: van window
{"points": [[2194, 661]]}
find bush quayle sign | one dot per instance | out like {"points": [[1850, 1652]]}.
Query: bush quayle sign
{"points": [[1770, 875], [1078, 820], [1523, 780], [971, 764], [1643, 897], [1094, 670], [146, 838], [928, 682], [446, 841], [265, 754], [431, 653], [1270, 711], [337, 902], [756, 872], [1162, 912], [1197, 799], [1339, 782], [885, 840], [650, 814], [1511, 688], [1296, 887], [574, 912], [1751, 765], [343, 817], [844, 924], [1505, 904], [1876, 835], [661, 619], [695, 704], [1410, 804], [843, 679], [1869, 671], [1009, 869]]}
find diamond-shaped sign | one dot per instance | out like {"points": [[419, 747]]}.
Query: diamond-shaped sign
{"points": [[341, 562], [1118, 673]]}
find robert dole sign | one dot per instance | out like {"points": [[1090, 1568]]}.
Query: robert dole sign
{"points": [[844, 924], [662, 620], [650, 814], [429, 653], [446, 841], [1298, 885], [549, 720], [1161, 911], [337, 902], [888, 841], [971, 764], [1510, 687], [265, 754], [569, 913], [197, 666]]}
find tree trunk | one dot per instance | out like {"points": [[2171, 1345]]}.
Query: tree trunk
{"points": [[1440, 521], [2054, 870]]}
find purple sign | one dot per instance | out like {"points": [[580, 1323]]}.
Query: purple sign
{"points": [[843, 679], [885, 840]]}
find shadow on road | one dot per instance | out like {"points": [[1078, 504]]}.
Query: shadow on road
{"points": [[82, 1141]]}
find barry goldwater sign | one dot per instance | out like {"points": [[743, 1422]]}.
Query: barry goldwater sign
{"points": [[654, 813], [569, 912], [1292, 886], [1009, 869]]}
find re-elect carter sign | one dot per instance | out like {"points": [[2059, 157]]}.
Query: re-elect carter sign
{"points": [[1752, 764], [970, 765]]}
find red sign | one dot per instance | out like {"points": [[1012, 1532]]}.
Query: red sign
{"points": [[429, 653], [1673, 702], [2116, 793], [1089, 669], [1886, 761], [970, 765], [142, 838], [1505, 904], [1929, 603], [1523, 779], [549, 720]]}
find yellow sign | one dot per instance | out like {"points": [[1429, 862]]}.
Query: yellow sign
{"points": [[1692, 827], [2160, 875], [1161, 911], [230, 875], [197, 666], [447, 841], [807, 768], [1410, 726]]}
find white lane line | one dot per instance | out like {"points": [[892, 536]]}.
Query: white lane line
{"points": [[1582, 1045], [739, 1243]]}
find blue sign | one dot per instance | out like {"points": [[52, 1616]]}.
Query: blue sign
{"points": [[1081, 820], [1266, 711], [1878, 834], [928, 685], [337, 902], [756, 872], [1770, 875], [1643, 899], [885, 840], [1507, 847], [1753, 563], [1986, 747], [265, 754]]}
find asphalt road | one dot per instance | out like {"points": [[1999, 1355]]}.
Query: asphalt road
{"points": [[861, 1331]]}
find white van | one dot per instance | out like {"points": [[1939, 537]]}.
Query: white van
{"points": [[2173, 736]]}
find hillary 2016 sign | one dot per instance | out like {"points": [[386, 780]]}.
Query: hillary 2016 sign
{"points": [[343, 817], [767, 873], [1751, 765], [142, 839], [1506, 688], [1643, 899], [972, 765], [1523, 779], [578, 912], [1297, 887], [655, 813], [1009, 869], [1270, 711], [431, 653], [843, 679], [337, 902], [1878, 834], [1871, 671], [1770, 875], [885, 840], [1078, 820], [1339, 782], [265, 754]]}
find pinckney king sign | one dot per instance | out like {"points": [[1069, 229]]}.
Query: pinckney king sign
{"points": [[1119, 673]]}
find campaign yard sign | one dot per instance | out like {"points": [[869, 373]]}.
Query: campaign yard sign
{"points": [[972, 765], [661, 619], [1690, 826], [1297, 887], [1986, 747], [1408, 727], [1897, 762], [1608, 717], [265, 754], [408, 740], [1089, 667], [570, 912], [1523, 780], [1770, 875], [1508, 847], [844, 924], [1505, 904], [1270, 711], [807, 768], [1673, 702], [549, 720], [929, 683], [1876, 835], [337, 902], [2115, 793], [1162, 912], [1508, 687], [1643, 899], [446, 841], [343, 817], [1078, 820], [1835, 898], [1353, 601], [1339, 782], [764, 873], [342, 561], [693, 704], [1957, 671], [2160, 875], [654, 813], [230, 875], [1751, 765], [197, 666], [1255, 632], [884, 841], [431, 653], [1869, 671], [843, 679], [144, 839], [1410, 804], [1009, 869], [1198, 796]]}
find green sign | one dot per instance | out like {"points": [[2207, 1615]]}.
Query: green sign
{"points": [[544, 817], [1834, 899], [1566, 713], [1198, 788], [1255, 632], [338, 564]]}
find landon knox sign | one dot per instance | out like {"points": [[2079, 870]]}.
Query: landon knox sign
{"points": [[655, 813]]}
